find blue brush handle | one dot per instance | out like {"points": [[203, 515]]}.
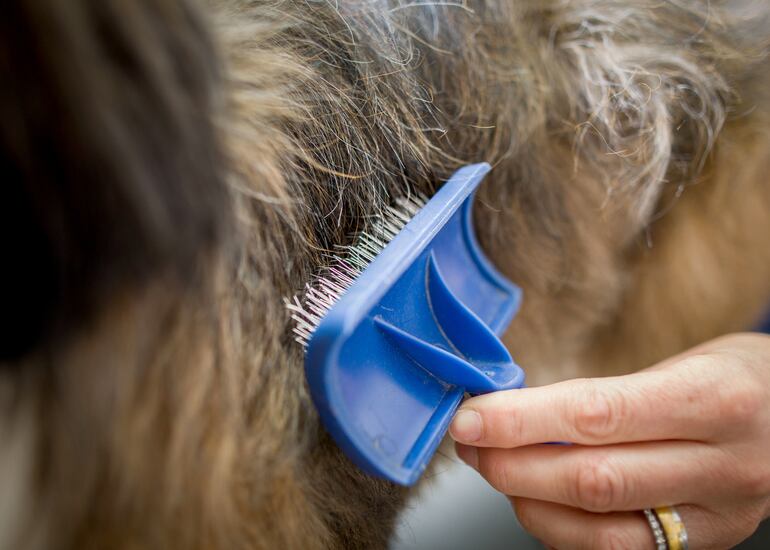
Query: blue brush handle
{"points": [[390, 362], [446, 338]]}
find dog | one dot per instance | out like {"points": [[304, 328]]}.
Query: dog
{"points": [[174, 168]]}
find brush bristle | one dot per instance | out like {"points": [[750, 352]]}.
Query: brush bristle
{"points": [[330, 283]]}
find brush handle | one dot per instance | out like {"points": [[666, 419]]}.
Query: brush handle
{"points": [[470, 356]]}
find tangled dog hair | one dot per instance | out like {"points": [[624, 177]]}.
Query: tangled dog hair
{"points": [[173, 169]]}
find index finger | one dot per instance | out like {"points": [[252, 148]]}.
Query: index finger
{"points": [[686, 401]]}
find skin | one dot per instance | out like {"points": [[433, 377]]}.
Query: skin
{"points": [[692, 432]]}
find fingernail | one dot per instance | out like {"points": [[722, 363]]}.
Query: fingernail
{"points": [[469, 455], [466, 426]]}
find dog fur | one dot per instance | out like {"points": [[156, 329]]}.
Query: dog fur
{"points": [[174, 169]]}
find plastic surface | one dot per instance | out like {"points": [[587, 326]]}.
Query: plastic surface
{"points": [[390, 362]]}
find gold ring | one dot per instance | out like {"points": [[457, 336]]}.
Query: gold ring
{"points": [[673, 527]]}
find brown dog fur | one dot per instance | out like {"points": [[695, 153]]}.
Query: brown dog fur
{"points": [[176, 169]]}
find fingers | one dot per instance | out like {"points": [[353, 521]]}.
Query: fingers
{"points": [[562, 527], [613, 478], [688, 400], [687, 430]]}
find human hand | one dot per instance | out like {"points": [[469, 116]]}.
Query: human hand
{"points": [[692, 432]]}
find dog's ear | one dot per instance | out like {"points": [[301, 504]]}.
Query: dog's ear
{"points": [[109, 159]]}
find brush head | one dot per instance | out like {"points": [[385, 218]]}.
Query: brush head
{"points": [[399, 326]]}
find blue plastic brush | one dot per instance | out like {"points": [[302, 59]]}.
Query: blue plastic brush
{"points": [[401, 325]]}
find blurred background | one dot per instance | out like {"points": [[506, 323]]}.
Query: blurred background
{"points": [[459, 511]]}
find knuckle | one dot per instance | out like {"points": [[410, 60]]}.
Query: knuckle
{"points": [[762, 483], [743, 523], [754, 481], [599, 415], [740, 402], [753, 519], [515, 427], [526, 515], [694, 366], [694, 383], [598, 486], [497, 473], [613, 538]]}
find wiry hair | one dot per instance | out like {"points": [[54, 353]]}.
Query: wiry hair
{"points": [[178, 169]]}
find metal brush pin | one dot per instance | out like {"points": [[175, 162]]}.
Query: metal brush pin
{"points": [[330, 283]]}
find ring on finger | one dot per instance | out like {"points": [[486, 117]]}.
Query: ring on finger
{"points": [[657, 531], [673, 526]]}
